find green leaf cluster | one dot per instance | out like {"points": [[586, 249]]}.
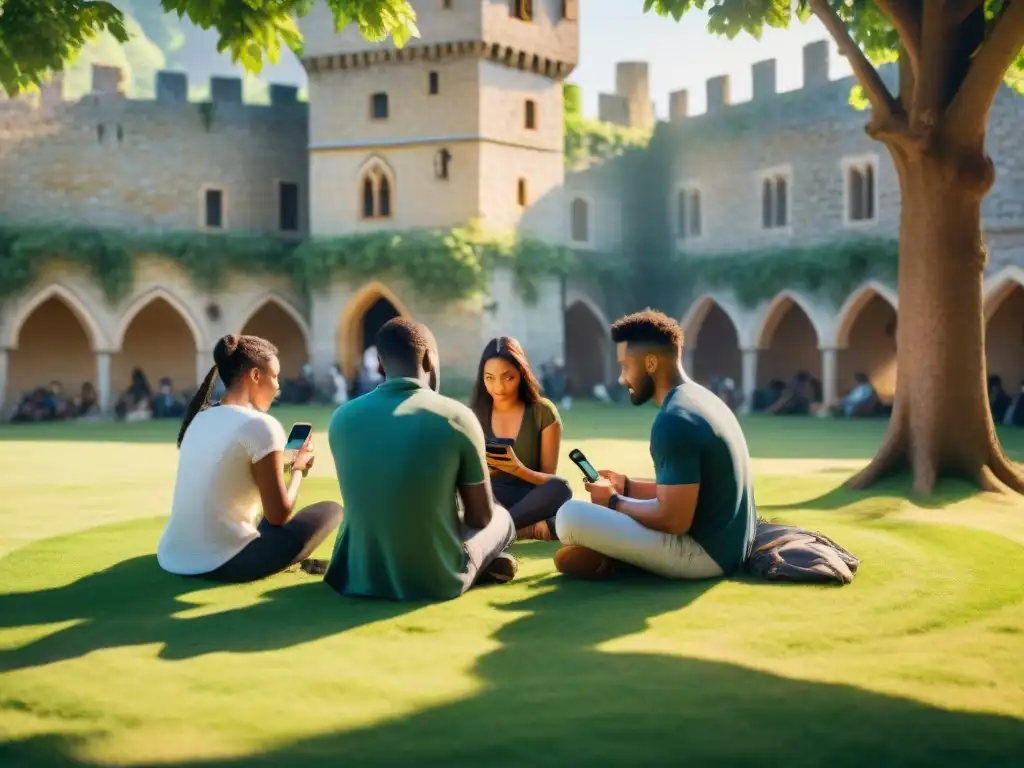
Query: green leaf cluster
{"points": [[867, 25], [39, 38], [441, 265], [587, 139], [830, 270]]}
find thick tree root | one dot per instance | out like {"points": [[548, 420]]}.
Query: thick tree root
{"points": [[1009, 474], [997, 474]]}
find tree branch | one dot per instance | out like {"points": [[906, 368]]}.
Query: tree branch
{"points": [[905, 18], [968, 112], [881, 100], [959, 10], [933, 65]]}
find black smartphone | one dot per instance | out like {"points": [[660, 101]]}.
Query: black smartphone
{"points": [[498, 446], [296, 439], [577, 458]]}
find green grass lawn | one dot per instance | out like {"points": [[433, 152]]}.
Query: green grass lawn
{"points": [[105, 660]]}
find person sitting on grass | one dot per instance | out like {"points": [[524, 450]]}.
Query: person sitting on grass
{"points": [[230, 465], [696, 519], [405, 455], [506, 400]]}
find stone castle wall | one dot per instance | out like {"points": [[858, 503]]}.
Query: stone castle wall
{"points": [[809, 136], [110, 161]]}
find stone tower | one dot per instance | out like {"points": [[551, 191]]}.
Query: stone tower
{"points": [[465, 122]]}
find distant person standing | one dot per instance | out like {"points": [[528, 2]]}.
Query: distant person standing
{"points": [[696, 519]]}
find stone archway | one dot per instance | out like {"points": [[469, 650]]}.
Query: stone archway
{"points": [[282, 326], [867, 344], [788, 342], [1004, 337], [367, 311], [51, 344], [158, 338], [715, 345], [587, 350]]}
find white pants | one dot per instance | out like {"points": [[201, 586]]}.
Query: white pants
{"points": [[621, 537]]}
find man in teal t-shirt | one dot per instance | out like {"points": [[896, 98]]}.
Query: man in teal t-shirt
{"points": [[696, 519], [405, 456]]}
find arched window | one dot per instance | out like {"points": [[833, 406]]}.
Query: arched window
{"points": [[376, 189], [580, 214]]}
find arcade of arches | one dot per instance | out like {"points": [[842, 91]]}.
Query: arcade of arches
{"points": [[1004, 345], [789, 343], [159, 342], [54, 344], [273, 323], [359, 324], [587, 350]]}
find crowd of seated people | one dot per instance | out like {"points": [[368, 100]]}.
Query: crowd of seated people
{"points": [[50, 404]]}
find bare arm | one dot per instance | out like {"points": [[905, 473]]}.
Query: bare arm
{"points": [[670, 512], [550, 445], [276, 495], [641, 489], [477, 504], [473, 481]]}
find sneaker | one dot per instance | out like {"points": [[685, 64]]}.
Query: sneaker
{"points": [[582, 563], [314, 567], [501, 570]]}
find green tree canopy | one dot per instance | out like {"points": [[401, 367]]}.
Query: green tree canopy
{"points": [[38, 38]]}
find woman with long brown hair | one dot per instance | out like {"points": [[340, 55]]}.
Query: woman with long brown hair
{"points": [[524, 437], [231, 468]]}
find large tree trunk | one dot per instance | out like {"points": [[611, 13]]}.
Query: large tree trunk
{"points": [[941, 425]]}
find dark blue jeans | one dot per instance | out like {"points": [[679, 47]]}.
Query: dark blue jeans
{"points": [[529, 504], [280, 546]]}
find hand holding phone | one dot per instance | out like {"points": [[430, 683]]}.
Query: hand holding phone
{"points": [[298, 439]]}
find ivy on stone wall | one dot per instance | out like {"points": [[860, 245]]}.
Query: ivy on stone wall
{"points": [[671, 280], [441, 265], [831, 270]]}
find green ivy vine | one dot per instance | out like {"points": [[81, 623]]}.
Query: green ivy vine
{"points": [[831, 270], [443, 265]]}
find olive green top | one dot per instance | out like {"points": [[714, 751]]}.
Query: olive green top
{"points": [[536, 418]]}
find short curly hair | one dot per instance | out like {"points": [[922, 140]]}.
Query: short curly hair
{"points": [[649, 327]]}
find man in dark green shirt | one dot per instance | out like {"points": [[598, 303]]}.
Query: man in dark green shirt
{"points": [[696, 519], [405, 457]]}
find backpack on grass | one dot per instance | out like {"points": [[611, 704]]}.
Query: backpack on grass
{"points": [[787, 553]]}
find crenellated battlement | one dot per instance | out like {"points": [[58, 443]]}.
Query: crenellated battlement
{"points": [[115, 161], [819, 97], [170, 88]]}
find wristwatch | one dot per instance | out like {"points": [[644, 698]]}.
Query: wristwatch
{"points": [[613, 501]]}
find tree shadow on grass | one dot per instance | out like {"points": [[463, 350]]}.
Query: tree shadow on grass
{"points": [[551, 695], [134, 603], [899, 488]]}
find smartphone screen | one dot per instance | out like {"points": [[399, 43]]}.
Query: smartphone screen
{"points": [[585, 466], [588, 469], [298, 436]]}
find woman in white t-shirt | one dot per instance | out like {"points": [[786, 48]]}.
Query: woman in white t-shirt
{"points": [[230, 468]]}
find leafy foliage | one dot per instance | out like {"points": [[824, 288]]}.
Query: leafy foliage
{"points": [[866, 23], [38, 38], [442, 265], [587, 139], [830, 270]]}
